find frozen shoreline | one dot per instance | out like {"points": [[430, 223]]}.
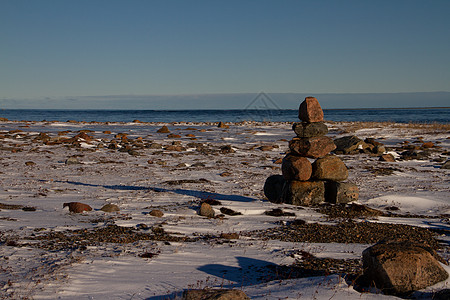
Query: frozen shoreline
{"points": [[140, 182]]}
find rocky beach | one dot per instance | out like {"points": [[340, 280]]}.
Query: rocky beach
{"points": [[137, 210]]}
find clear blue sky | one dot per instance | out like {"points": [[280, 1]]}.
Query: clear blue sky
{"points": [[73, 48]]}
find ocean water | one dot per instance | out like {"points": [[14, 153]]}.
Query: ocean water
{"points": [[425, 115]]}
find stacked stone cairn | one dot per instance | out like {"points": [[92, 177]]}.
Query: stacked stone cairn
{"points": [[304, 183]]}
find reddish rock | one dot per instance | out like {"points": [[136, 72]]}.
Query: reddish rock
{"points": [[163, 129], [211, 294], [329, 168], [303, 193], [341, 192], [428, 145], [296, 168], [77, 207], [310, 110], [222, 125], [312, 147], [387, 157], [174, 136], [156, 213], [305, 129]]}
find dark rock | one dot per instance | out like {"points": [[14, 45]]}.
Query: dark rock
{"points": [[30, 163], [306, 130], [379, 149], [312, 147], [222, 125], [303, 193], [110, 208], [341, 192], [329, 168], [163, 129], [296, 168], [349, 144], [209, 294], [77, 207], [273, 188], [229, 211], [372, 141], [206, 210], [412, 154], [156, 213], [230, 236], [278, 212], [266, 148], [226, 149], [387, 157], [310, 110], [399, 267]]}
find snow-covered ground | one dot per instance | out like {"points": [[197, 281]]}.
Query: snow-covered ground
{"points": [[175, 182]]}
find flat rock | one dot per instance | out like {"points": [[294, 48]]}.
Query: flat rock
{"points": [[310, 110], [209, 294], [303, 193], [296, 168], [341, 192], [312, 147], [306, 130], [329, 167]]}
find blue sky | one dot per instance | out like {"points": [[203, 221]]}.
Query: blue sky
{"points": [[59, 49]]}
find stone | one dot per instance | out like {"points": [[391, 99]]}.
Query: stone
{"points": [[329, 167], [310, 110], [110, 208], [446, 165], [230, 236], [380, 149], [210, 294], [303, 193], [273, 188], [306, 130], [30, 163], [428, 145], [174, 136], [206, 210], [72, 161], [400, 266], [341, 192], [227, 149], [372, 141], [312, 147], [222, 125], [296, 168], [388, 157], [349, 144], [163, 129], [156, 213], [77, 207]]}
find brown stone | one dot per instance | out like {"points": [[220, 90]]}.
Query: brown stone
{"points": [[163, 129], [174, 136], [206, 210], [305, 129], [428, 145], [399, 267], [296, 168], [303, 193], [387, 157], [349, 144], [312, 147], [210, 294], [156, 213], [230, 236], [77, 207], [341, 192], [110, 208], [222, 125], [329, 167], [310, 110]]}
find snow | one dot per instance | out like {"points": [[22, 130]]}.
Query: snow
{"points": [[108, 176]]}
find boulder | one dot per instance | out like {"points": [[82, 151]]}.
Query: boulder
{"points": [[310, 110], [387, 157], [77, 207], [341, 192], [303, 193], [349, 144], [222, 125], [210, 294], [305, 129], [446, 165], [110, 208], [296, 168], [273, 188], [206, 210], [312, 147], [156, 213], [400, 266], [329, 167], [72, 161], [380, 149], [163, 129]]}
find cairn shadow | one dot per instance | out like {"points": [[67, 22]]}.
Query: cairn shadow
{"points": [[185, 192]]}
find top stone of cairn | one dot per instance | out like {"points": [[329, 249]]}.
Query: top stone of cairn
{"points": [[310, 110]]}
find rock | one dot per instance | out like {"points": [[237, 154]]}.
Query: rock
{"points": [[349, 144], [110, 208], [387, 157], [266, 148], [226, 149], [427, 145], [412, 154], [273, 188], [230, 236], [77, 207], [296, 168], [222, 125], [209, 294], [229, 211], [206, 210], [446, 165], [163, 129], [310, 110], [30, 163], [312, 147], [329, 167], [278, 161], [341, 192], [174, 136], [399, 267], [303, 193], [379, 149], [305, 130], [278, 212], [72, 161], [156, 213], [372, 141]]}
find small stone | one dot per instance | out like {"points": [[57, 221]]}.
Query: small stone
{"points": [[110, 208], [329, 167], [427, 145], [227, 149], [310, 110], [278, 161], [206, 210], [306, 130], [446, 165], [312, 147], [163, 129], [387, 157], [174, 136], [210, 294], [266, 148], [156, 213], [303, 193], [341, 192], [225, 174], [379, 149], [349, 144], [273, 188], [72, 161], [296, 168], [230, 236], [229, 212], [30, 163], [77, 207], [222, 125]]}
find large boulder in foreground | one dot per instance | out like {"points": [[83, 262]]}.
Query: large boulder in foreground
{"points": [[400, 266], [303, 193], [329, 167], [296, 168]]}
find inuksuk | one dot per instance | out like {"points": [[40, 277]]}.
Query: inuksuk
{"points": [[310, 174]]}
